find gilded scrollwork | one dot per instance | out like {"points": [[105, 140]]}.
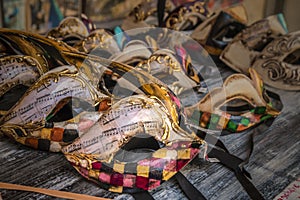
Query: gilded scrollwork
{"points": [[160, 59], [184, 14]]}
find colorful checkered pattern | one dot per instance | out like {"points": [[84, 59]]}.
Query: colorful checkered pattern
{"points": [[146, 174], [232, 123]]}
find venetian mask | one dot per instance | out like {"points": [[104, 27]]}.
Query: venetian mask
{"points": [[278, 62], [100, 40], [187, 16], [220, 28], [17, 73], [175, 69], [183, 17], [56, 96], [110, 155], [232, 107], [25, 57], [70, 30], [248, 44]]}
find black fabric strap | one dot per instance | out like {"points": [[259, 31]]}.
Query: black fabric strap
{"points": [[211, 139], [144, 195], [161, 4], [258, 130], [189, 190], [232, 162]]}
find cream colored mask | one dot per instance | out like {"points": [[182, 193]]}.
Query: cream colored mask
{"points": [[278, 63], [70, 30], [221, 109], [220, 28], [242, 51], [176, 71], [101, 39]]}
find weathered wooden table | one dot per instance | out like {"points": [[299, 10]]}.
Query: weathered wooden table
{"points": [[274, 164]]}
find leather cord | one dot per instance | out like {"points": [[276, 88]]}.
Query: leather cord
{"points": [[54, 193]]}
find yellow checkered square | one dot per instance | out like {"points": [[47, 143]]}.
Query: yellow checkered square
{"points": [[21, 140], [184, 154], [118, 167], [167, 175], [161, 153], [46, 133], [222, 122], [75, 119], [94, 174], [143, 171], [117, 189]]}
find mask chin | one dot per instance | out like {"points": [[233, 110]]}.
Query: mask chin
{"points": [[245, 47]]}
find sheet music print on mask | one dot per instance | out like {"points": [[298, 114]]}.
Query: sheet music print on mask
{"points": [[128, 119], [42, 99], [18, 69]]}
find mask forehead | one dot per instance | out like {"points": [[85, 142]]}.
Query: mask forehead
{"points": [[99, 39]]}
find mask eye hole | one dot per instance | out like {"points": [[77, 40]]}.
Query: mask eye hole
{"points": [[227, 33], [137, 148], [262, 43], [71, 40], [190, 70], [11, 97], [68, 108], [236, 107], [293, 58]]}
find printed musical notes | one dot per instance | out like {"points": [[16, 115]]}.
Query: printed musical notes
{"points": [[16, 70], [42, 98], [126, 118]]}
